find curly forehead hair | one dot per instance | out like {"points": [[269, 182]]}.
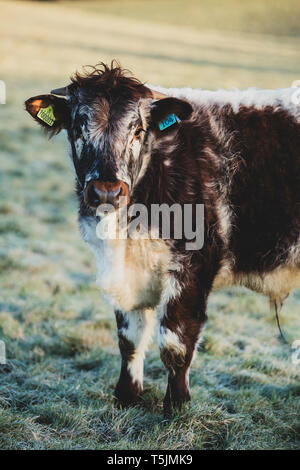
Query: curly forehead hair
{"points": [[110, 80]]}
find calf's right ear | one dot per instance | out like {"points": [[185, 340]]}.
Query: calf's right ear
{"points": [[51, 112]]}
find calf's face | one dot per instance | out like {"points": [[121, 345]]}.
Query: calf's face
{"points": [[112, 122]]}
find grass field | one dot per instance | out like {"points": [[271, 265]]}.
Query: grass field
{"points": [[56, 391]]}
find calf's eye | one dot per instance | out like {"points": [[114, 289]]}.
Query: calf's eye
{"points": [[138, 131]]}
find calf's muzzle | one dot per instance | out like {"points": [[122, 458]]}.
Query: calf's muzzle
{"points": [[106, 192]]}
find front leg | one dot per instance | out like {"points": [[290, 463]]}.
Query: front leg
{"points": [[134, 331], [179, 332]]}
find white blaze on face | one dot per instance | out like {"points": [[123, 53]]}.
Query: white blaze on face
{"points": [[78, 143], [136, 148]]}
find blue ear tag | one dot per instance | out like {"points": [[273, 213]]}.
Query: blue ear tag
{"points": [[168, 121]]}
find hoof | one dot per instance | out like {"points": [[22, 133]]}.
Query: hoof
{"points": [[174, 401], [127, 396], [126, 402]]}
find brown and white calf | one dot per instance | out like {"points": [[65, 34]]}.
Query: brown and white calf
{"points": [[237, 153]]}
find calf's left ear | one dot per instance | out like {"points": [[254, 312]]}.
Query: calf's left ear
{"points": [[168, 111], [50, 111]]}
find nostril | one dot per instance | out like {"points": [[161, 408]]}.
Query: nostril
{"points": [[92, 196], [115, 193], [97, 193]]}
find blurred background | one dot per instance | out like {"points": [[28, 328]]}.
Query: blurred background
{"points": [[56, 390]]}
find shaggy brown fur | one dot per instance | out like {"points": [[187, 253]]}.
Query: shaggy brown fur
{"points": [[243, 166]]}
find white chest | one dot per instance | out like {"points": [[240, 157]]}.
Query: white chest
{"points": [[132, 274]]}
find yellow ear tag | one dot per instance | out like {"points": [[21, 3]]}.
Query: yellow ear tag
{"points": [[46, 115]]}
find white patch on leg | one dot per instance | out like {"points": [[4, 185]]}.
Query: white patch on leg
{"points": [[170, 340], [139, 333], [199, 341]]}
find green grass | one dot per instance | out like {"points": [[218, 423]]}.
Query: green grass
{"points": [[56, 391], [263, 17]]}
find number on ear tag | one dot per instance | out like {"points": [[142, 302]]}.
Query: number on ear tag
{"points": [[46, 115], [168, 121]]}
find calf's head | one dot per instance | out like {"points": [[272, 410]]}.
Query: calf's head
{"points": [[112, 121]]}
